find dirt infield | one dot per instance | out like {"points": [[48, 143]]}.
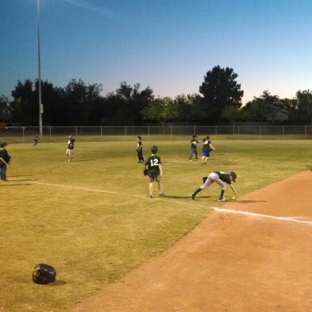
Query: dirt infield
{"points": [[231, 261]]}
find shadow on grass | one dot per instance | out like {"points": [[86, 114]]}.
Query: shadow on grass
{"points": [[15, 184], [176, 197], [22, 175], [81, 160], [183, 197], [20, 180], [58, 283], [249, 201]]}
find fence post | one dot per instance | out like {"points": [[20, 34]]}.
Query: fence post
{"points": [[305, 132]]}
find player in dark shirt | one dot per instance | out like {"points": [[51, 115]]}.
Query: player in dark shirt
{"points": [[220, 178], [4, 161], [139, 149], [154, 171], [70, 147], [194, 143], [36, 139], [207, 148]]}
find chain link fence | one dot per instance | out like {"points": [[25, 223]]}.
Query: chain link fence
{"points": [[119, 133]]}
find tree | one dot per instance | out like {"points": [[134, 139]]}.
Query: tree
{"points": [[5, 108], [161, 109], [79, 100], [304, 111], [190, 106], [259, 111], [233, 114], [266, 107], [25, 107], [124, 106], [219, 90]]}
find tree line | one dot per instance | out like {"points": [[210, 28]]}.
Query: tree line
{"points": [[219, 100]]}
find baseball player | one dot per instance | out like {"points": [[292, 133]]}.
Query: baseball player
{"points": [[194, 143], [139, 149], [154, 171], [70, 147], [207, 147], [220, 178]]}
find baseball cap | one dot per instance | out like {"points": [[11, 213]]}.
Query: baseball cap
{"points": [[3, 144], [233, 175]]}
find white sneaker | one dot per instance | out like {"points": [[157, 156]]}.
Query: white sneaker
{"points": [[221, 199]]}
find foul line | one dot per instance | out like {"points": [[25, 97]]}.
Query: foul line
{"points": [[88, 189], [85, 189], [261, 215]]}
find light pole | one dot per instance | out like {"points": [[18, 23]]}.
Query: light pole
{"points": [[39, 73]]}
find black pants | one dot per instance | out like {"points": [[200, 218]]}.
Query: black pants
{"points": [[140, 156]]}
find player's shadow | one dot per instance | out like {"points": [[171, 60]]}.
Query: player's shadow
{"points": [[20, 180], [249, 201], [14, 184], [22, 175], [176, 197], [183, 197]]}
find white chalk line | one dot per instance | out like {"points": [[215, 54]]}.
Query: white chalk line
{"points": [[88, 189], [291, 219], [85, 189]]}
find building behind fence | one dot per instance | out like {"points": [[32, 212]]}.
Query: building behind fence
{"points": [[108, 133]]}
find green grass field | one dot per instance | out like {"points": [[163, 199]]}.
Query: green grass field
{"points": [[92, 219]]}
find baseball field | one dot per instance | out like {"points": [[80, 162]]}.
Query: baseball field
{"points": [[116, 249]]}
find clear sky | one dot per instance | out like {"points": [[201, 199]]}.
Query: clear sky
{"points": [[168, 45]]}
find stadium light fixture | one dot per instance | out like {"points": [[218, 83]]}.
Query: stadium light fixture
{"points": [[39, 72]]}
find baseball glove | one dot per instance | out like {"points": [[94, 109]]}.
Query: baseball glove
{"points": [[204, 179], [145, 172]]}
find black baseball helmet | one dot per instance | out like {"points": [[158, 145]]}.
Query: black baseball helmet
{"points": [[43, 274], [233, 175]]}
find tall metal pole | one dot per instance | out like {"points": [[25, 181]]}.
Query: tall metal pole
{"points": [[39, 74]]}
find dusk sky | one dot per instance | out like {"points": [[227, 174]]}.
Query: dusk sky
{"points": [[168, 45]]}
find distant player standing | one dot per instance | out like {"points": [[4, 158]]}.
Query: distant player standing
{"points": [[154, 171], [4, 161], [194, 143], [139, 149], [207, 147], [36, 139], [70, 147]]}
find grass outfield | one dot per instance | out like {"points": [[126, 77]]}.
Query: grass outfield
{"points": [[92, 219]]}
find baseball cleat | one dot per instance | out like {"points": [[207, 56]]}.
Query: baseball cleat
{"points": [[221, 199]]}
